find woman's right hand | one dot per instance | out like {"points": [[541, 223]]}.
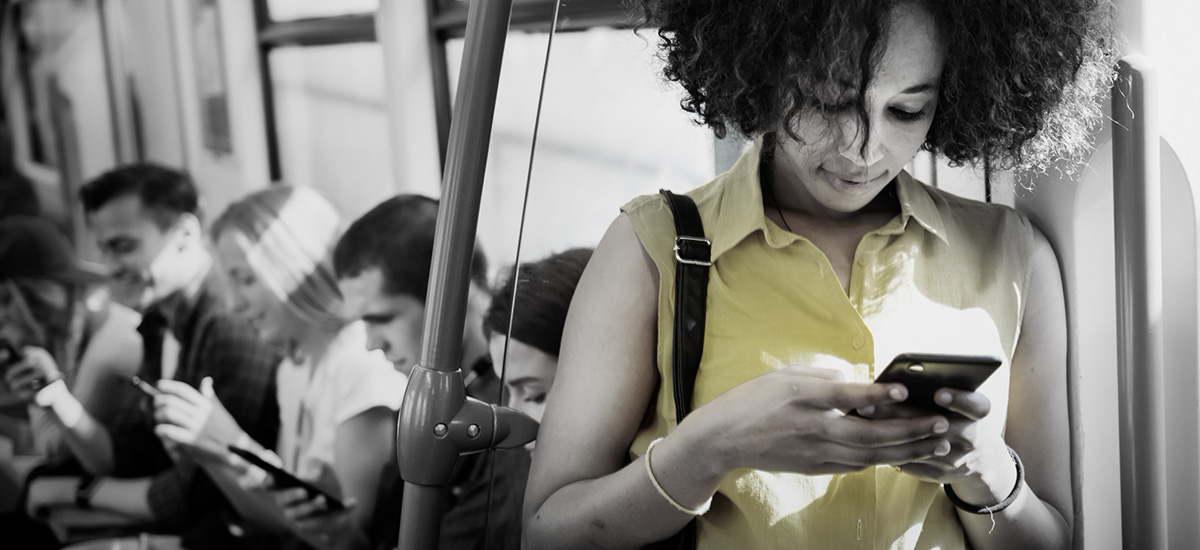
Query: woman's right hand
{"points": [[795, 420]]}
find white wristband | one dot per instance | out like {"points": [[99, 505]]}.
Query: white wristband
{"points": [[50, 393], [698, 511]]}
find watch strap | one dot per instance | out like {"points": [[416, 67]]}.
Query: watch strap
{"points": [[84, 491]]}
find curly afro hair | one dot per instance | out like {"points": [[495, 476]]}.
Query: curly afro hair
{"points": [[1020, 87]]}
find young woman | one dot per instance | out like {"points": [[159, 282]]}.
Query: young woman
{"points": [[63, 329], [828, 261], [336, 399], [538, 312]]}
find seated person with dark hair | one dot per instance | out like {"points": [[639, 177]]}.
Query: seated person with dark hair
{"points": [[382, 264], [538, 311], [145, 219]]}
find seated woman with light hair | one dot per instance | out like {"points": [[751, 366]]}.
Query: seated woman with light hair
{"points": [[336, 399]]}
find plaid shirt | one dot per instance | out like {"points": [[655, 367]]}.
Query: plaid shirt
{"points": [[215, 343]]}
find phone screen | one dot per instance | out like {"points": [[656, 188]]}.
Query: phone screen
{"points": [[285, 479]]}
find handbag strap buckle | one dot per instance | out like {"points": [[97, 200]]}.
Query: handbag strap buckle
{"points": [[697, 250]]}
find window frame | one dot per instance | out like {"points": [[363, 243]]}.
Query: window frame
{"points": [[447, 20], [298, 33]]}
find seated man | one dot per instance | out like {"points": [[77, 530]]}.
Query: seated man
{"points": [[145, 219], [382, 264]]}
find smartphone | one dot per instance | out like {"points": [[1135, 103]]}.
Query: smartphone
{"points": [[924, 373], [285, 479], [11, 354], [145, 387]]}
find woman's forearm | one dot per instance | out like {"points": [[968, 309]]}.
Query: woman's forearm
{"points": [[126, 496], [87, 439], [1028, 523], [623, 509], [47, 434]]}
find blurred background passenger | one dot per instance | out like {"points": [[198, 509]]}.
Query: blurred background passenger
{"points": [[336, 399], [538, 313], [146, 222], [63, 332]]}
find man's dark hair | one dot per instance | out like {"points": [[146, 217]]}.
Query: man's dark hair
{"points": [[165, 192], [544, 291], [397, 237]]}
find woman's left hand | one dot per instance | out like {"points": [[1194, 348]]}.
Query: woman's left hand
{"points": [[194, 419], [978, 460], [28, 375]]}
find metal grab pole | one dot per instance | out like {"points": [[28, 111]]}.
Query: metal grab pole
{"points": [[1137, 198], [430, 430]]}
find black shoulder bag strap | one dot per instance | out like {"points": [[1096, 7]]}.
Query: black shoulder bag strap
{"points": [[693, 253]]}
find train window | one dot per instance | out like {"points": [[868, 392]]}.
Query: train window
{"points": [[610, 130], [33, 41], [286, 10], [331, 121]]}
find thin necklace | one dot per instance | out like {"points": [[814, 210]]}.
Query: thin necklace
{"points": [[768, 180]]}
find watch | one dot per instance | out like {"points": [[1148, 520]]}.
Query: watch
{"points": [[84, 491]]}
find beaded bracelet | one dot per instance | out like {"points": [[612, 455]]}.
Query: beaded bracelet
{"points": [[698, 511], [1012, 497]]}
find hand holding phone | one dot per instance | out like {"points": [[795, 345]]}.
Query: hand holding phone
{"points": [[9, 354], [924, 373], [26, 371], [284, 479]]}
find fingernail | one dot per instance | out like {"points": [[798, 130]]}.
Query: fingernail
{"points": [[896, 393], [943, 398], [941, 426], [942, 449], [868, 410]]}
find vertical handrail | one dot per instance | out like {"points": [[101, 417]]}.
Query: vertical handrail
{"points": [[1137, 198], [425, 438], [435, 397]]}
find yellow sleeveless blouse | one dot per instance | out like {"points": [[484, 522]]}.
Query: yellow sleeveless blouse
{"points": [[946, 275]]}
